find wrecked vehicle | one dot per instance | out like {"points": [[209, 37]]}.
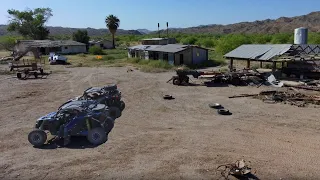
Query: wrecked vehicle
{"points": [[108, 95], [57, 59], [91, 115], [74, 119]]}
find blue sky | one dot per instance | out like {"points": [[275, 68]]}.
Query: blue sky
{"points": [[138, 14]]}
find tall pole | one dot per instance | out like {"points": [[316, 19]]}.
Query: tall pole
{"points": [[158, 29], [167, 30]]}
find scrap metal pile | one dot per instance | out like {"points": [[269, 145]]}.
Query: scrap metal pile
{"points": [[238, 169], [292, 96], [244, 77]]}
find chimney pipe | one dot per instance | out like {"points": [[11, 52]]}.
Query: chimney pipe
{"points": [[167, 30], [158, 29]]}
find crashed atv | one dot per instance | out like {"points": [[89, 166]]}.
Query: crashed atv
{"points": [[83, 119], [107, 95]]}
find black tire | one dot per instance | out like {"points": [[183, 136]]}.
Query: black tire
{"points": [[114, 112], [97, 136], [224, 112], [167, 97], [176, 81], [108, 125], [122, 105], [37, 137], [19, 75], [215, 106]]}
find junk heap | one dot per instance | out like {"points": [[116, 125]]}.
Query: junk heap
{"points": [[292, 96]]}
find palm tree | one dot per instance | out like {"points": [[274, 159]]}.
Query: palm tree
{"points": [[113, 23]]}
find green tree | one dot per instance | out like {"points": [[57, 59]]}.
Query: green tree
{"points": [[314, 38], [208, 43], [282, 38], [113, 23], [8, 43], [81, 36], [30, 23], [230, 42]]}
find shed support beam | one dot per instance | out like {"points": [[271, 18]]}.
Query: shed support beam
{"points": [[274, 67], [231, 65], [260, 64], [248, 64]]}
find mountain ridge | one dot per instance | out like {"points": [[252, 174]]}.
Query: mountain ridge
{"points": [[267, 26]]}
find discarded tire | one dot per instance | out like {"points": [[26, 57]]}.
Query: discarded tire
{"points": [[19, 75], [167, 97], [37, 137], [224, 112], [97, 136], [176, 81], [215, 105]]}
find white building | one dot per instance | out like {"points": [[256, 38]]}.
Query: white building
{"points": [[47, 46]]}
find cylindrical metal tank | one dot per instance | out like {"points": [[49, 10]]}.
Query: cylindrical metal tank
{"points": [[301, 35]]}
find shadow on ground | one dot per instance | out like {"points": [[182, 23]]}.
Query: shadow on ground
{"points": [[247, 177], [75, 143]]}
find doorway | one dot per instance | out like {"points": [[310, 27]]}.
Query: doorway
{"points": [[181, 58]]}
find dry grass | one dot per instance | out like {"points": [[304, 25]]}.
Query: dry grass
{"points": [[4, 53]]}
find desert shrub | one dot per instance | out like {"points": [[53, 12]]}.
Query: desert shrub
{"points": [[95, 50]]}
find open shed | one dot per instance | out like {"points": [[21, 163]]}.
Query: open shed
{"points": [[271, 53]]}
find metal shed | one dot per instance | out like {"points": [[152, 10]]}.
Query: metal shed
{"points": [[271, 53]]}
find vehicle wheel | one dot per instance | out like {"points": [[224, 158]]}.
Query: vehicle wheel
{"points": [[224, 112], [97, 136], [176, 81], [19, 75], [35, 75], [122, 105], [37, 137], [108, 125], [114, 112]]}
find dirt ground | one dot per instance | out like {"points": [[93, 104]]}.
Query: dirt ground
{"points": [[154, 138]]}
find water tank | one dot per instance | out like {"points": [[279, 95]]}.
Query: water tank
{"points": [[301, 36]]}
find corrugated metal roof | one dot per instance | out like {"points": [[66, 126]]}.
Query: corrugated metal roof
{"points": [[170, 48], [143, 47], [49, 43], [258, 51]]}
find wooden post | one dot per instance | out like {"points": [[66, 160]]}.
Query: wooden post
{"points": [[231, 65], [282, 64], [260, 64], [248, 64], [274, 66]]}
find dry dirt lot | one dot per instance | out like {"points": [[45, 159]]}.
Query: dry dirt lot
{"points": [[154, 138]]}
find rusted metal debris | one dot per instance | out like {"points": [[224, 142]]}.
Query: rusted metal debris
{"points": [[239, 169], [292, 96]]}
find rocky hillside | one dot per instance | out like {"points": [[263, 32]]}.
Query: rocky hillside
{"points": [[69, 31], [283, 24]]}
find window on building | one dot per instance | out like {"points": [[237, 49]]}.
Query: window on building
{"points": [[165, 57], [66, 47]]}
